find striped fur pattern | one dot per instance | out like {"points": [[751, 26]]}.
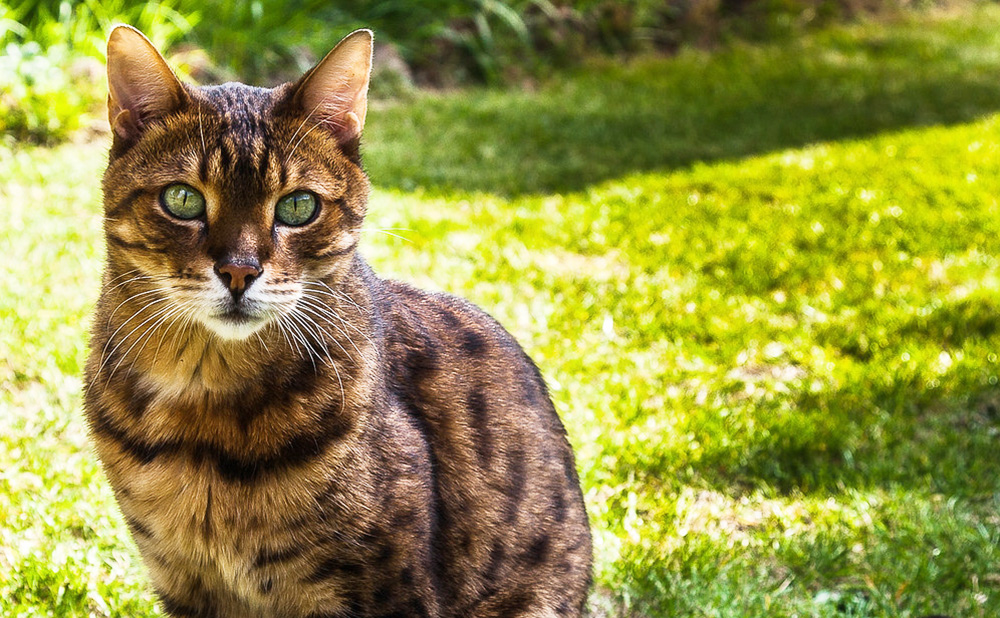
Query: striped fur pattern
{"points": [[325, 443]]}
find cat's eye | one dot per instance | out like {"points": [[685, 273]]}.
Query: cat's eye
{"points": [[296, 208], [183, 201]]}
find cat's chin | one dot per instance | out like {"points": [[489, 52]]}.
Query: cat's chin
{"points": [[234, 328]]}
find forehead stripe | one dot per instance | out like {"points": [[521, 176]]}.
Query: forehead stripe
{"points": [[265, 161], [224, 157]]}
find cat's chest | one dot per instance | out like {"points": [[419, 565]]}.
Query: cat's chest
{"points": [[188, 522], [184, 503], [206, 506]]}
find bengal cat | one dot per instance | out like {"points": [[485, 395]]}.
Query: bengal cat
{"points": [[287, 434]]}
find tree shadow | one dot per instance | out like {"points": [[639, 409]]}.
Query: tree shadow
{"points": [[664, 114], [902, 436], [887, 426]]}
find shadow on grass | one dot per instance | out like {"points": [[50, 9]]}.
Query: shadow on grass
{"points": [[928, 461], [661, 114], [926, 456], [892, 417], [898, 430]]}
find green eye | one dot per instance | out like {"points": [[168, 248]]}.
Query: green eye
{"points": [[296, 208], [183, 201]]}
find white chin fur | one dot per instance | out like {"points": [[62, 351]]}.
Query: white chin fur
{"points": [[234, 331]]}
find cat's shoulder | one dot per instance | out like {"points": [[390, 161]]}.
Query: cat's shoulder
{"points": [[447, 317]]}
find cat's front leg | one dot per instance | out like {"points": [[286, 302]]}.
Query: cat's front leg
{"points": [[517, 603], [181, 594], [186, 606]]}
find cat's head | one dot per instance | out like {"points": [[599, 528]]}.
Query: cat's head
{"points": [[232, 202]]}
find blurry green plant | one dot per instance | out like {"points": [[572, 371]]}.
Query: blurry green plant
{"points": [[38, 98], [82, 25], [273, 40], [46, 86], [50, 67], [486, 46]]}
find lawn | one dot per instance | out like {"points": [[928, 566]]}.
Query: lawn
{"points": [[762, 283]]}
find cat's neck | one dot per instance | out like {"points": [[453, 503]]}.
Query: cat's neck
{"points": [[198, 362]]}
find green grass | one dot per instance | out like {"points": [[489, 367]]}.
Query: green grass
{"points": [[762, 283], [607, 120]]}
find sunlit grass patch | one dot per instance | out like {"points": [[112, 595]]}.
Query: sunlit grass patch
{"points": [[854, 553]]}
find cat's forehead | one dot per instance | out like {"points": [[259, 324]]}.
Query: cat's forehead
{"points": [[237, 124], [234, 138], [237, 98], [244, 110]]}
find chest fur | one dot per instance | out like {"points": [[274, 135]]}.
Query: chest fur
{"points": [[223, 506], [188, 518]]}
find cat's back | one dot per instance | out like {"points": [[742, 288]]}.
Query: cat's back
{"points": [[508, 512]]}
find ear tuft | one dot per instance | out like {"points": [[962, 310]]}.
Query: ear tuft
{"points": [[141, 87], [335, 91]]}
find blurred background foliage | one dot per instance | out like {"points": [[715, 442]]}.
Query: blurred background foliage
{"points": [[51, 74]]}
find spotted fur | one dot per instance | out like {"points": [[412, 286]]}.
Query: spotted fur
{"points": [[334, 444]]}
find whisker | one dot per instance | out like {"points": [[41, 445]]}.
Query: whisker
{"points": [[111, 339], [125, 274], [155, 315], [343, 395], [337, 316], [333, 293], [307, 325], [317, 311], [350, 324], [330, 95], [131, 298], [128, 281], [281, 328], [297, 336], [386, 231], [304, 135], [182, 315], [302, 317], [261, 340], [147, 336], [302, 124]]}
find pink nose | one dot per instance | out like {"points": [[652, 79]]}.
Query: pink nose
{"points": [[238, 277]]}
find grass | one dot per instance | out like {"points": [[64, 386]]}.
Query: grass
{"points": [[608, 120], [762, 283]]}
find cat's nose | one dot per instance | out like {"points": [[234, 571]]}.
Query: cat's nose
{"points": [[238, 276]]}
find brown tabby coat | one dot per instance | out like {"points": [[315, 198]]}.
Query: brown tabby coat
{"points": [[287, 434]]}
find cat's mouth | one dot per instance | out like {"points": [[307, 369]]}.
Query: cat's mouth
{"points": [[235, 322], [236, 315]]}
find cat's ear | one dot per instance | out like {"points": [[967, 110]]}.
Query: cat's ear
{"points": [[335, 91], [141, 87]]}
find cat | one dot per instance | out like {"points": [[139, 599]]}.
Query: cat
{"points": [[287, 434]]}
